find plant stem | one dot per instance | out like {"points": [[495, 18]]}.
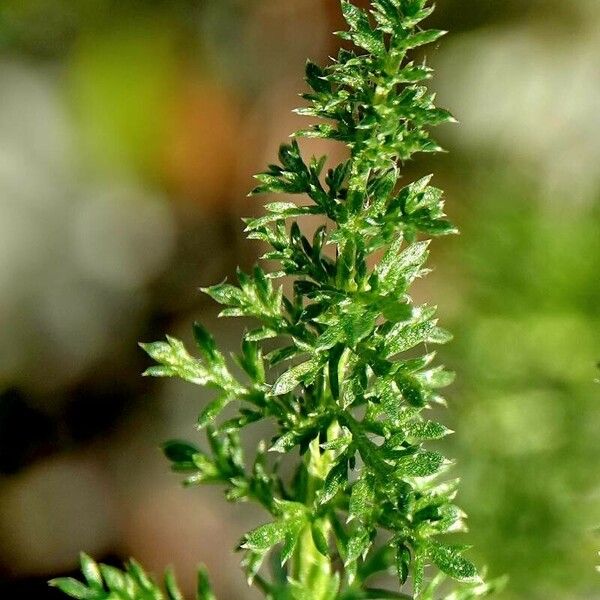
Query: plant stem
{"points": [[310, 567]]}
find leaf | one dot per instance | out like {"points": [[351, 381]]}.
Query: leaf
{"points": [[395, 310], [387, 270], [362, 499], [114, 578], [415, 255], [285, 442], [265, 536], [402, 561], [291, 538], [425, 430], [319, 539], [212, 410], [405, 337], [339, 443], [204, 589], [412, 390], [449, 560], [418, 572], [75, 589], [179, 451], [315, 76], [252, 562], [294, 376], [224, 293], [262, 333], [137, 573], [423, 37], [436, 378], [362, 34], [358, 544], [335, 355], [422, 464], [390, 399], [206, 343], [357, 326], [175, 361], [91, 572], [334, 482], [439, 336], [173, 592]]}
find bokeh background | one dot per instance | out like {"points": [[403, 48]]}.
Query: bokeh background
{"points": [[129, 132]]}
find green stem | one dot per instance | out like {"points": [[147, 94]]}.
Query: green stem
{"points": [[311, 569]]}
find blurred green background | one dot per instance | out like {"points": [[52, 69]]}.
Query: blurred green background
{"points": [[129, 132]]}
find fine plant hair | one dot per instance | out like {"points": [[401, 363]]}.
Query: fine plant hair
{"points": [[341, 367]]}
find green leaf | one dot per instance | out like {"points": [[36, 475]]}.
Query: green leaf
{"points": [[362, 499], [405, 337], [136, 572], [358, 544], [339, 443], [176, 362], [425, 430], [179, 451], [449, 560], [294, 376], [91, 572], [173, 592], [334, 482], [204, 589], [212, 410], [389, 396], [439, 336], [114, 578], [422, 464], [206, 343], [315, 76], [285, 442], [224, 293], [418, 574], [402, 561], [319, 539], [423, 37], [265, 536], [362, 34], [411, 389], [75, 589], [291, 538]]}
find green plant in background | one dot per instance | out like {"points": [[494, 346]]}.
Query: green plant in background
{"points": [[336, 366], [531, 494]]}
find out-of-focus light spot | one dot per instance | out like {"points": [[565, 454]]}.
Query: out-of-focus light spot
{"points": [[202, 148], [32, 121], [121, 236], [518, 424], [75, 254], [531, 98], [121, 81], [51, 512], [75, 320], [187, 532]]}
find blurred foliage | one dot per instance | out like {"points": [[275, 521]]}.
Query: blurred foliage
{"points": [[104, 582], [110, 77], [50, 28], [526, 399]]}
